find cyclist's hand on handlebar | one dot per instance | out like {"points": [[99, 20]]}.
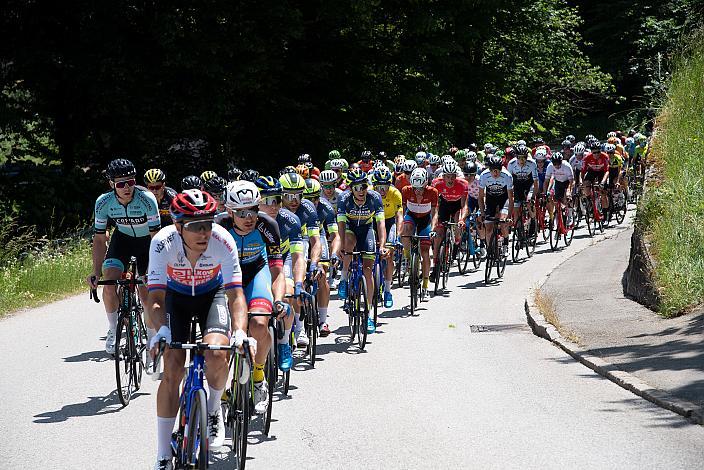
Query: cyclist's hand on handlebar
{"points": [[282, 308], [298, 288], [163, 333], [433, 234], [383, 251], [92, 281]]}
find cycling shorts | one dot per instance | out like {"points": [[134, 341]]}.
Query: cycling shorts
{"points": [[472, 204], [522, 192], [258, 291], [594, 176], [496, 203], [122, 247], [288, 262], [420, 224], [447, 209], [365, 240], [390, 229], [209, 308], [613, 176], [560, 189], [324, 249]]}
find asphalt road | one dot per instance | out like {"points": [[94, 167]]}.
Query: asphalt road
{"points": [[427, 392]]}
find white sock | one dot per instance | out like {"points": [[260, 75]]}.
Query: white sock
{"points": [[284, 340], [214, 399], [323, 311], [164, 428], [112, 320], [298, 324], [344, 273]]}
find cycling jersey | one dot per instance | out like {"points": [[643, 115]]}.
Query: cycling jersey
{"points": [[165, 205], [170, 269], [615, 161], [576, 163], [595, 162], [640, 151], [289, 232], [332, 200], [309, 219], [393, 201], [137, 219], [495, 186], [356, 215], [402, 181], [327, 217], [453, 193], [419, 206], [541, 177], [523, 174], [366, 166], [562, 174], [546, 147]]}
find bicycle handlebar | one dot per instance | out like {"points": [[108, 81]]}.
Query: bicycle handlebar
{"points": [[114, 282]]}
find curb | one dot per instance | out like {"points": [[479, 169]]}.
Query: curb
{"points": [[547, 331]]}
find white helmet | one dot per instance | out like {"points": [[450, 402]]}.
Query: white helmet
{"points": [[610, 135], [609, 148], [449, 167], [447, 158], [337, 164], [487, 147], [420, 157], [541, 153], [240, 194], [434, 160], [409, 166], [419, 178], [630, 140], [521, 142], [471, 156], [580, 148], [328, 177]]}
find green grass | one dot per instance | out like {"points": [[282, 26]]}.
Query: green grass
{"points": [[46, 278], [672, 212]]}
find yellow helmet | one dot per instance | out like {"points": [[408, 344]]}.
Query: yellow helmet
{"points": [[207, 174], [154, 175]]}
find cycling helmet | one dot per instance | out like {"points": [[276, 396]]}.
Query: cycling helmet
{"points": [[215, 186], [250, 175], [499, 153], [434, 160], [234, 173], [303, 171], [595, 146], [522, 151], [611, 134], [420, 157], [452, 150], [571, 138], [193, 204], [630, 140], [566, 144], [495, 163], [613, 140], [460, 154], [154, 175], [450, 167], [446, 158], [354, 165], [356, 176], [333, 154], [580, 148], [541, 154], [409, 166], [292, 183], [556, 158], [268, 186], [487, 147], [473, 147], [345, 164], [471, 156], [471, 168], [521, 142], [366, 156], [539, 141], [609, 148], [337, 164], [589, 138], [399, 159], [382, 155], [120, 168], [304, 158], [328, 177], [641, 139], [206, 175], [378, 164], [241, 194], [191, 182], [419, 178], [288, 169], [312, 189], [382, 176]]}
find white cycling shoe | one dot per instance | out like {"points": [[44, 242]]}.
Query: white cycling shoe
{"points": [[261, 397], [216, 430], [110, 342]]}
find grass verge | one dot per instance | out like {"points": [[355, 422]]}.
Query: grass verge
{"points": [[44, 278], [546, 305], [672, 212]]}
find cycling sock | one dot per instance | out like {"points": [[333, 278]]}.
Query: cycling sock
{"points": [[284, 340], [387, 287], [112, 320], [323, 311], [258, 374], [214, 396], [425, 282], [298, 324], [406, 253], [164, 428]]}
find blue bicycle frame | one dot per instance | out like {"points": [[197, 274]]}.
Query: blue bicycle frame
{"points": [[471, 224]]}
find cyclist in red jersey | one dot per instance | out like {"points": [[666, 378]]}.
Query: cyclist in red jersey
{"points": [[403, 179], [595, 170], [452, 202], [366, 164]]}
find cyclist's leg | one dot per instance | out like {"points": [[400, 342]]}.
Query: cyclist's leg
{"points": [[423, 229], [366, 243], [408, 229], [503, 216], [390, 239], [288, 319], [260, 300], [116, 261], [323, 294]]}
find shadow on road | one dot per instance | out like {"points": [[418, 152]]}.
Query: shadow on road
{"points": [[95, 406], [92, 356]]}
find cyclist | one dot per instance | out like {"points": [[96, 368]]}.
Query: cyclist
{"points": [[328, 230], [365, 163], [566, 150], [595, 170], [420, 203], [330, 192], [452, 203], [233, 174], [524, 172], [193, 270], [216, 187], [133, 210], [403, 179], [308, 162], [577, 161], [393, 219], [250, 175], [259, 250], [155, 179], [358, 212], [495, 197], [191, 182], [560, 181], [615, 166], [206, 175], [294, 262], [332, 155], [338, 166], [433, 166], [292, 191], [422, 158]]}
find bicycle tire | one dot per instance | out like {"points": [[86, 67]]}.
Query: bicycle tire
{"points": [[439, 266], [141, 348], [287, 374], [490, 254], [124, 368], [241, 408], [377, 297], [447, 265], [621, 212], [413, 281], [463, 252], [554, 233], [532, 240], [272, 375], [197, 439], [500, 259], [516, 238], [362, 314], [313, 346], [570, 231], [477, 256]]}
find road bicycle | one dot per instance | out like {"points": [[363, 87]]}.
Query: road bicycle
{"points": [[445, 256], [469, 245], [617, 205], [400, 267], [593, 217], [238, 405], [496, 253], [524, 235], [356, 304], [130, 334], [311, 318], [414, 278], [380, 281], [542, 218], [561, 225]]}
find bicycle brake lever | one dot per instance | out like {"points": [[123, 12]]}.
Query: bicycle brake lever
{"points": [[94, 295]]}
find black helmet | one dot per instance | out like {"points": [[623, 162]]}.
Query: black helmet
{"points": [[471, 168], [288, 169], [234, 173], [594, 145], [250, 175], [119, 168], [366, 155], [571, 138], [304, 158], [539, 141], [556, 158], [566, 143], [522, 150], [472, 147], [215, 186], [495, 163], [382, 155], [191, 182]]}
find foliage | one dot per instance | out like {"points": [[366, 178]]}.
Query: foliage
{"points": [[673, 212]]}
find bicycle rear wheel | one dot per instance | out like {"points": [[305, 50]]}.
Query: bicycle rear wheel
{"points": [[413, 281], [449, 256], [197, 439], [141, 349], [532, 238], [124, 354], [313, 335], [272, 375], [240, 411], [287, 374], [490, 259], [362, 313], [501, 259], [570, 230]]}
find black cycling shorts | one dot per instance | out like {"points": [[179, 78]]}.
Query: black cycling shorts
{"points": [[495, 204], [521, 190], [447, 209], [122, 247], [594, 176], [560, 189], [210, 309], [613, 176]]}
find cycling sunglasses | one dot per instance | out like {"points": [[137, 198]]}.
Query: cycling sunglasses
{"points": [[292, 196], [196, 226], [327, 186], [154, 187], [126, 183], [359, 187], [244, 213], [382, 187], [271, 201]]}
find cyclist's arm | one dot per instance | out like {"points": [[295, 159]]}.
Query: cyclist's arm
{"points": [[399, 221], [100, 247], [434, 216], [238, 308], [299, 267], [463, 209], [156, 302], [315, 249], [510, 197], [278, 282], [481, 200]]}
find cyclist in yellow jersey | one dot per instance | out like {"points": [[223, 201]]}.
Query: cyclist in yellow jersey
{"points": [[393, 215]]}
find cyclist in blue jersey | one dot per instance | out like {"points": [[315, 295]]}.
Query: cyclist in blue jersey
{"points": [[359, 212], [292, 186], [259, 248], [133, 210], [541, 156], [328, 232], [292, 253]]}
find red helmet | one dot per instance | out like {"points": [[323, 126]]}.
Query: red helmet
{"points": [[193, 203]]}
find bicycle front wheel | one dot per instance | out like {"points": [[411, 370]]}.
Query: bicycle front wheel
{"points": [[554, 232], [362, 313], [272, 375], [516, 241], [490, 259], [413, 282], [124, 354], [196, 440], [439, 266], [240, 409]]}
